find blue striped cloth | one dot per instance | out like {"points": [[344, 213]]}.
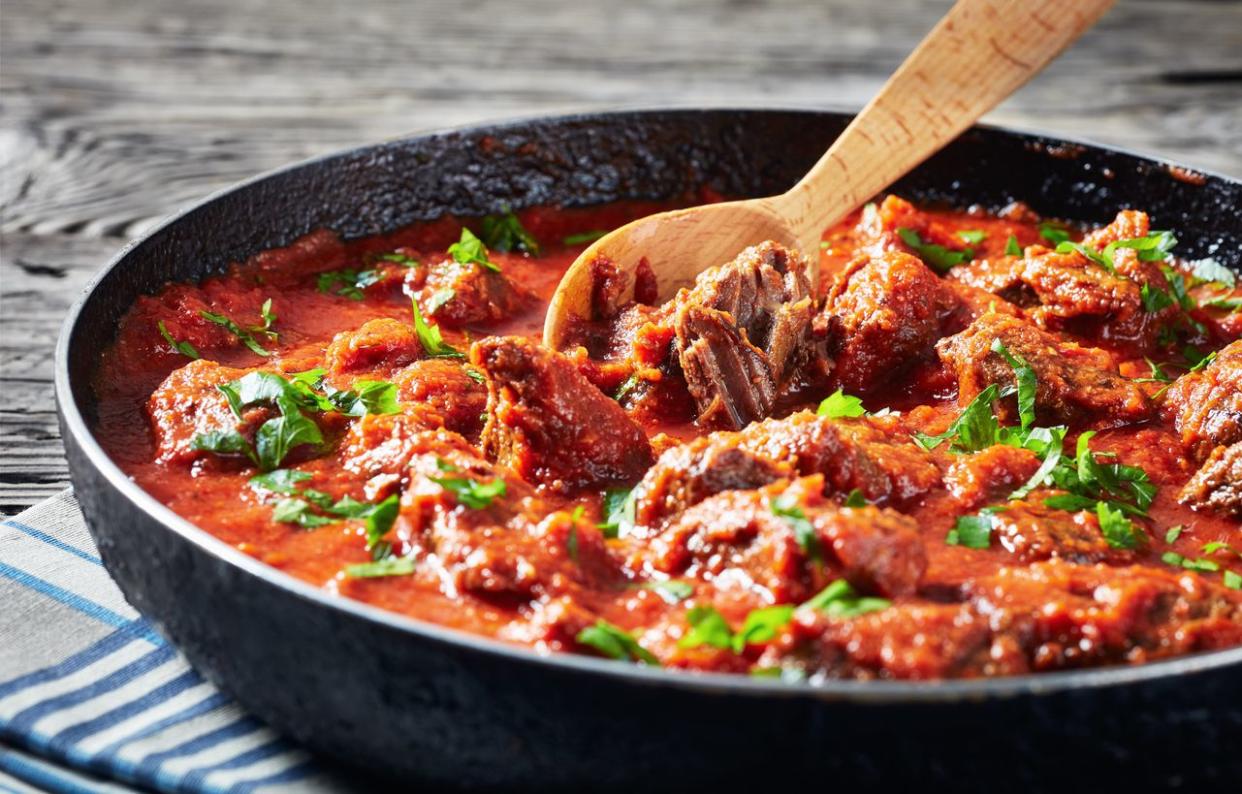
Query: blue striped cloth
{"points": [[93, 699]]}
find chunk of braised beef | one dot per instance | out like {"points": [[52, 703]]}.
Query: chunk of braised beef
{"points": [[920, 641], [456, 294], [1073, 292], [188, 403], [377, 448], [883, 313], [878, 460], [741, 331], [377, 347], [1206, 406], [1065, 615], [1030, 530], [989, 474], [1074, 383], [1217, 486], [547, 422], [755, 532], [444, 387]]}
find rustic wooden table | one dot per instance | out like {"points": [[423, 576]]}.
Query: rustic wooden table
{"points": [[118, 113]]}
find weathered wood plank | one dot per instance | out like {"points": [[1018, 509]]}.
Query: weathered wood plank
{"points": [[116, 114]]}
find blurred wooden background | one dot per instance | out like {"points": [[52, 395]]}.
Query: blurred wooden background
{"points": [[114, 114]]}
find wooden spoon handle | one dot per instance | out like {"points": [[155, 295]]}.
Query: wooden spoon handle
{"points": [[979, 53]]}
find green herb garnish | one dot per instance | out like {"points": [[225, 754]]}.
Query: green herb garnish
{"points": [[936, 256], [615, 643], [973, 532], [673, 591], [471, 250], [430, 338], [1054, 233], [786, 507], [1011, 247], [346, 283], [584, 237], [469, 493], [388, 566], [618, 511], [841, 600], [972, 236], [236, 330], [184, 348], [840, 405], [505, 233], [400, 259], [855, 498]]}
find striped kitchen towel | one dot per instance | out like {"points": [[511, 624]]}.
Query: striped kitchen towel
{"points": [[93, 699]]}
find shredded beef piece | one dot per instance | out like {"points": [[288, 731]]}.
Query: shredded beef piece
{"points": [[851, 453], [1206, 406], [378, 347], [882, 314], [877, 550], [550, 425], [1073, 384], [728, 377], [456, 295], [740, 332], [1218, 483]]}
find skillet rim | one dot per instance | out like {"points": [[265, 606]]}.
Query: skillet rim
{"points": [[861, 692]]}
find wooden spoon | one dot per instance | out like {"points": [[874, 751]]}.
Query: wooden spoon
{"points": [[978, 54]]}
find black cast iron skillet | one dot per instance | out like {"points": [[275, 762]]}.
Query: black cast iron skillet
{"points": [[420, 704]]}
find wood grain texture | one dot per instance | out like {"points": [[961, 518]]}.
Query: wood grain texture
{"points": [[114, 114]]}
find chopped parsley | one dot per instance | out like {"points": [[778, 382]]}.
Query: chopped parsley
{"points": [[505, 233], [973, 532], [786, 507], [618, 511], [438, 298], [627, 386], [471, 250], [1026, 383], [1155, 299], [430, 338], [855, 498], [1119, 531], [584, 237], [1173, 534], [1011, 247], [615, 643], [1054, 233], [840, 405], [300, 505], [292, 397], [673, 591], [388, 566], [841, 600], [1233, 581], [346, 283], [974, 429], [399, 258], [708, 627], [469, 493], [184, 348], [936, 256], [246, 337], [972, 236]]}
